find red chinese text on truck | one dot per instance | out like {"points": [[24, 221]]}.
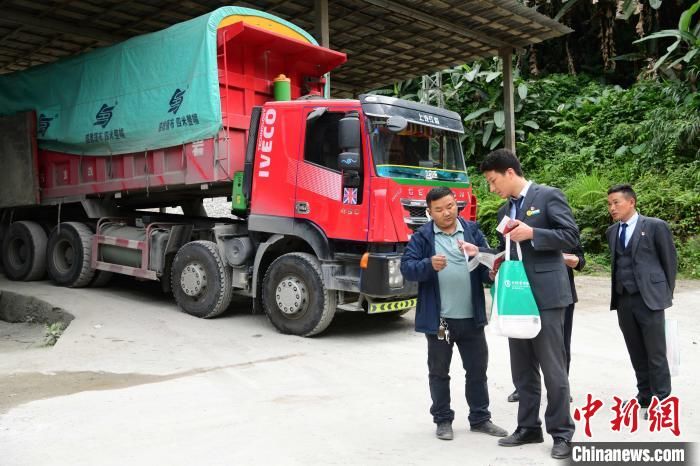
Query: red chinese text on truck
{"points": [[325, 193]]}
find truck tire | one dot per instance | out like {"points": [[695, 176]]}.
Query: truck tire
{"points": [[24, 251], [200, 282], [295, 298], [68, 255], [101, 279]]}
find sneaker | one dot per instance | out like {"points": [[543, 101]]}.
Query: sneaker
{"points": [[444, 431], [489, 428]]}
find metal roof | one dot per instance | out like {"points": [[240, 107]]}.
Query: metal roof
{"points": [[385, 40]]}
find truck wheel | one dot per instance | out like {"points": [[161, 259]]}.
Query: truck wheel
{"points": [[294, 297], [200, 282], [24, 251], [101, 279], [68, 255]]}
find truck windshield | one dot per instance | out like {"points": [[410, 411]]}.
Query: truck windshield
{"points": [[418, 152]]}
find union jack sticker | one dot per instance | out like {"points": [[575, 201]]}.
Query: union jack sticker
{"points": [[349, 195]]}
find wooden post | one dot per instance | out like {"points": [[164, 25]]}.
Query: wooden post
{"points": [[506, 55], [322, 34]]}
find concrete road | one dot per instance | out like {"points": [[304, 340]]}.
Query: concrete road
{"points": [[133, 381]]}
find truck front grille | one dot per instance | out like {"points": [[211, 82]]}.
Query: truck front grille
{"points": [[416, 212]]}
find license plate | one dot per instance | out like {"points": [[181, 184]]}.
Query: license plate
{"points": [[376, 308]]}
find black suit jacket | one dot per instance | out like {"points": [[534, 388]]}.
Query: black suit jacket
{"points": [[578, 252], [546, 210], [654, 260]]}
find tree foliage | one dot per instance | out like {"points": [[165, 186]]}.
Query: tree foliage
{"points": [[584, 131]]}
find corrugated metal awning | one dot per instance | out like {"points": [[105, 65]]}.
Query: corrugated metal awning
{"points": [[385, 40]]}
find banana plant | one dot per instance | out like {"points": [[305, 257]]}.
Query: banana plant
{"points": [[687, 34]]}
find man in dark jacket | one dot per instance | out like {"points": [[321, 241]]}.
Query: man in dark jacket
{"points": [[451, 310], [644, 263]]}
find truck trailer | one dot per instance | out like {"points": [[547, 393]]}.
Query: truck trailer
{"points": [[325, 193]]}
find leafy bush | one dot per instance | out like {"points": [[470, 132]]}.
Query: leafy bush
{"points": [[579, 135]]}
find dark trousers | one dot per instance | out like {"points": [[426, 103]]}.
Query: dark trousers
{"points": [[471, 343], [568, 325], [645, 337], [546, 351]]}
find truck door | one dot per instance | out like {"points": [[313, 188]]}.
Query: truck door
{"points": [[337, 204]]}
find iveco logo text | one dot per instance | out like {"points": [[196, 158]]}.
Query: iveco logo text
{"points": [[176, 101], [265, 147], [428, 118], [104, 115]]}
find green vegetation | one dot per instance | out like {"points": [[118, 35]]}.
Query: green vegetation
{"points": [[583, 133], [52, 333], [591, 136]]}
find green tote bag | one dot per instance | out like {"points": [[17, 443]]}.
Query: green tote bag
{"points": [[514, 305]]}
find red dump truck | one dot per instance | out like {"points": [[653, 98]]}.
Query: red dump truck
{"points": [[325, 193]]}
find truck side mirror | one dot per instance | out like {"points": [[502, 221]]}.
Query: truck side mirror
{"points": [[352, 179], [349, 161], [396, 123], [349, 133]]}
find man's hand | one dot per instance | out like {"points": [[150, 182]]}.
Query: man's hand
{"points": [[571, 260], [492, 275], [439, 262], [471, 249], [521, 232]]}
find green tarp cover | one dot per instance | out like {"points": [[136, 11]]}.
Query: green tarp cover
{"points": [[149, 92]]}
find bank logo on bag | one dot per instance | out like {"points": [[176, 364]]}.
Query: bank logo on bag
{"points": [[506, 283], [104, 115], [44, 123], [176, 101]]}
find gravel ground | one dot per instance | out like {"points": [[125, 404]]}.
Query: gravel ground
{"points": [[133, 381]]}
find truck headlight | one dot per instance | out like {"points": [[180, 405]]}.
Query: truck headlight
{"points": [[395, 277]]}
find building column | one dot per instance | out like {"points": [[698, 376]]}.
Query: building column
{"points": [[506, 55]]}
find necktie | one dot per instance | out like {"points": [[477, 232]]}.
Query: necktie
{"points": [[518, 203], [623, 231]]}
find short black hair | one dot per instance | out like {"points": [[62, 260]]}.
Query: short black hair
{"points": [[625, 189], [438, 193], [500, 161]]}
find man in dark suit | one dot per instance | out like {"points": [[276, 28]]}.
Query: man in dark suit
{"points": [[545, 227], [574, 260], [644, 263]]}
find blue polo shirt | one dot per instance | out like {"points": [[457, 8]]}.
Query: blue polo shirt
{"points": [[455, 285]]}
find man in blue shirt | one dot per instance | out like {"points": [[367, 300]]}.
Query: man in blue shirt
{"points": [[451, 310]]}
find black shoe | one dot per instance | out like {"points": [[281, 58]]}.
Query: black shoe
{"points": [[444, 431], [521, 436], [561, 449], [642, 404], [489, 428], [514, 397]]}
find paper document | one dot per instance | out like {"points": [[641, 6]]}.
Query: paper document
{"points": [[488, 259]]}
